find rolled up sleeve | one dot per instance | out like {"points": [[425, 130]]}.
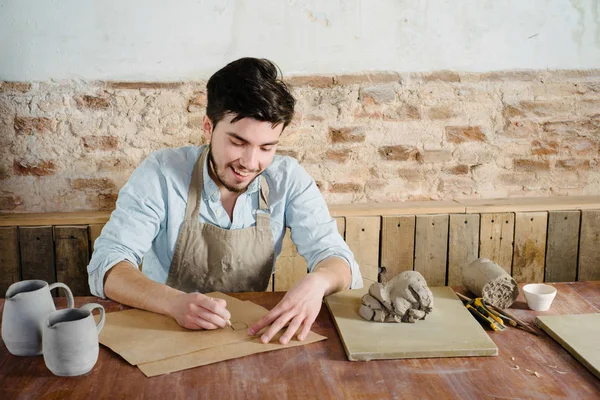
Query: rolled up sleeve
{"points": [[313, 230], [133, 225]]}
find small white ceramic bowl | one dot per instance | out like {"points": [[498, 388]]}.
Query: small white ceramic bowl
{"points": [[539, 296]]}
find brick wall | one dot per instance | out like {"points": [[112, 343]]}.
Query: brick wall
{"points": [[70, 145]]}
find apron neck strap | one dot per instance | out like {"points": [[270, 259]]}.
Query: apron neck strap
{"points": [[263, 215], [192, 208], [263, 198]]}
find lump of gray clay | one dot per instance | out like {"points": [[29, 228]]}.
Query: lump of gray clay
{"points": [[405, 298], [488, 280]]}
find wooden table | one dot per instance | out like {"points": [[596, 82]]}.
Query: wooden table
{"points": [[321, 370]]}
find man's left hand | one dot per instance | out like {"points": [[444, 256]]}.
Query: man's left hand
{"points": [[301, 304], [299, 307]]}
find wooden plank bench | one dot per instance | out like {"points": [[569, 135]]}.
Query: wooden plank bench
{"points": [[552, 239]]}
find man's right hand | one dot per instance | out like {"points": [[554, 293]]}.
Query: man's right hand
{"points": [[126, 284], [197, 311]]}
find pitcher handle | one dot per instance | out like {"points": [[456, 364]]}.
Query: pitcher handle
{"points": [[91, 306], [70, 300]]}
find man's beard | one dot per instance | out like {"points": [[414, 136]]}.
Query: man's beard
{"points": [[220, 176]]}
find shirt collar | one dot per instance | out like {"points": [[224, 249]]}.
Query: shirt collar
{"points": [[211, 190]]}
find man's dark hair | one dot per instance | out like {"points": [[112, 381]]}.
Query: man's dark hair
{"points": [[250, 88]]}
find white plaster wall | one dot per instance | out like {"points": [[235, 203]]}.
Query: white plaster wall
{"points": [[184, 39]]}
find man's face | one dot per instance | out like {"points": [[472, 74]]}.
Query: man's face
{"points": [[239, 152]]}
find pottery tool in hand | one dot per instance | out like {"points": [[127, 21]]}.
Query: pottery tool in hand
{"points": [[228, 321]]}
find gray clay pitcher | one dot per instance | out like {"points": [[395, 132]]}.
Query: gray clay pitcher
{"points": [[70, 340], [26, 307]]}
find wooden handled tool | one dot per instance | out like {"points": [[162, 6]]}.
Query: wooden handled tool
{"points": [[510, 318], [478, 308]]}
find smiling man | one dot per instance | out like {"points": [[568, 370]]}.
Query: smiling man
{"points": [[213, 218]]}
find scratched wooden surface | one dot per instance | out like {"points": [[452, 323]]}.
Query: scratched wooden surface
{"points": [[322, 371]]}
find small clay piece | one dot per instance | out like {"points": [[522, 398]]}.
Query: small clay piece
{"points": [[404, 298], [488, 280]]}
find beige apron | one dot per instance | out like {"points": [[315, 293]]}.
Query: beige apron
{"points": [[209, 258]]}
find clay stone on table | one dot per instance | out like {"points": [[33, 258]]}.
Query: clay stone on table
{"points": [[405, 298], [486, 279]]}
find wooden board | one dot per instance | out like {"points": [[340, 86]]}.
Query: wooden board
{"points": [[589, 252], [397, 245], [431, 245], [341, 225], [397, 208], [449, 331], [290, 266], [95, 230], [530, 247], [463, 245], [67, 218], [523, 204], [496, 239], [10, 266], [576, 333], [37, 253], [362, 236], [552, 203], [562, 244], [72, 257]]}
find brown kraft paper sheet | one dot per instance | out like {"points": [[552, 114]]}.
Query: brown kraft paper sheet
{"points": [[221, 353], [142, 336]]}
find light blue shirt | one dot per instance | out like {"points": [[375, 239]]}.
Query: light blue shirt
{"points": [[151, 207]]}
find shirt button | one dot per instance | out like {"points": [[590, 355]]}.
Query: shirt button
{"points": [[218, 212]]}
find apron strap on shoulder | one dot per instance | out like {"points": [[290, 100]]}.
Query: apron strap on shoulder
{"points": [[263, 214], [263, 198], [192, 207]]}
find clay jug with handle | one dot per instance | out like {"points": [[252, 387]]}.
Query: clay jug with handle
{"points": [[26, 306], [70, 340]]}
